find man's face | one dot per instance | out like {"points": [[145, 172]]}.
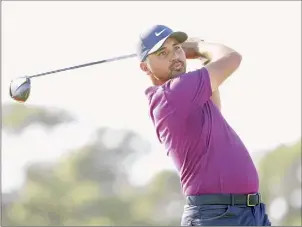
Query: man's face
{"points": [[166, 63]]}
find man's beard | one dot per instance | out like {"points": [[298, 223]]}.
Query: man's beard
{"points": [[176, 70]]}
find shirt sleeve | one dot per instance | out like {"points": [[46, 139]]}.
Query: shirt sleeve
{"points": [[190, 90]]}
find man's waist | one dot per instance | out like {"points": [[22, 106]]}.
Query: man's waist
{"points": [[224, 199], [212, 184]]}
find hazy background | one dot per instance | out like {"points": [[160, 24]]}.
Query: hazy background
{"points": [[82, 150]]}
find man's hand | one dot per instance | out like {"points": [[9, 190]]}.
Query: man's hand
{"points": [[191, 49]]}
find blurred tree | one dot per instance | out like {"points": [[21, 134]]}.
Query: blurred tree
{"points": [[280, 180], [89, 187], [160, 201], [16, 117]]}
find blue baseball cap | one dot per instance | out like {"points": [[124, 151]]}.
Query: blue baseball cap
{"points": [[153, 38]]}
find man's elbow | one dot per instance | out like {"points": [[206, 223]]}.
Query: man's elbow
{"points": [[231, 64], [236, 60]]}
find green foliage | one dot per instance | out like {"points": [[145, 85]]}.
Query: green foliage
{"points": [[91, 186], [16, 117], [278, 177]]}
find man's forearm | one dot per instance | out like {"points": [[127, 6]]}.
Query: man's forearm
{"points": [[223, 62], [213, 52], [215, 98]]}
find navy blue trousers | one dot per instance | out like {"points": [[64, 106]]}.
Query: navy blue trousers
{"points": [[225, 215]]}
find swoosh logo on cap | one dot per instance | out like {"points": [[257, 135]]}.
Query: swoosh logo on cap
{"points": [[158, 33]]}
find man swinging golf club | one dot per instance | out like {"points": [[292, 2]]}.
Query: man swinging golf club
{"points": [[217, 174]]}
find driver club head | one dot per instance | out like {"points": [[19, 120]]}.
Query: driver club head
{"points": [[19, 89]]}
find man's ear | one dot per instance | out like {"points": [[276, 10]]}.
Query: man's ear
{"points": [[144, 67]]}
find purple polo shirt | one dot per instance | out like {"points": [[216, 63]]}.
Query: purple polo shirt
{"points": [[207, 152]]}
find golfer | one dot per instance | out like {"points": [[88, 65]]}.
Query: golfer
{"points": [[217, 174]]}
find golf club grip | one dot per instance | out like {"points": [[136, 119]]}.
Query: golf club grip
{"points": [[84, 65]]}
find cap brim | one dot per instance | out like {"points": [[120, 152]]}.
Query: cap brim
{"points": [[179, 36]]}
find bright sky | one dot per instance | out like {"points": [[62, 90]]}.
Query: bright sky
{"points": [[262, 101]]}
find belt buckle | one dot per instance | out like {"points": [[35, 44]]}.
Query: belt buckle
{"points": [[248, 199]]}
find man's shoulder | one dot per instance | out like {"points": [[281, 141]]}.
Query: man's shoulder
{"points": [[175, 92], [150, 91], [159, 91], [161, 111], [156, 95], [160, 106], [168, 86]]}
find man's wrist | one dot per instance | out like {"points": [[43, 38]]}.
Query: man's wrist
{"points": [[204, 53]]}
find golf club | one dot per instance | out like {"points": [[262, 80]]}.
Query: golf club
{"points": [[19, 89]]}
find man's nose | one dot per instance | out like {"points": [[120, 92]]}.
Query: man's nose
{"points": [[175, 56]]}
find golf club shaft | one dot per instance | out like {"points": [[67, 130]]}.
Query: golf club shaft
{"points": [[84, 65]]}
